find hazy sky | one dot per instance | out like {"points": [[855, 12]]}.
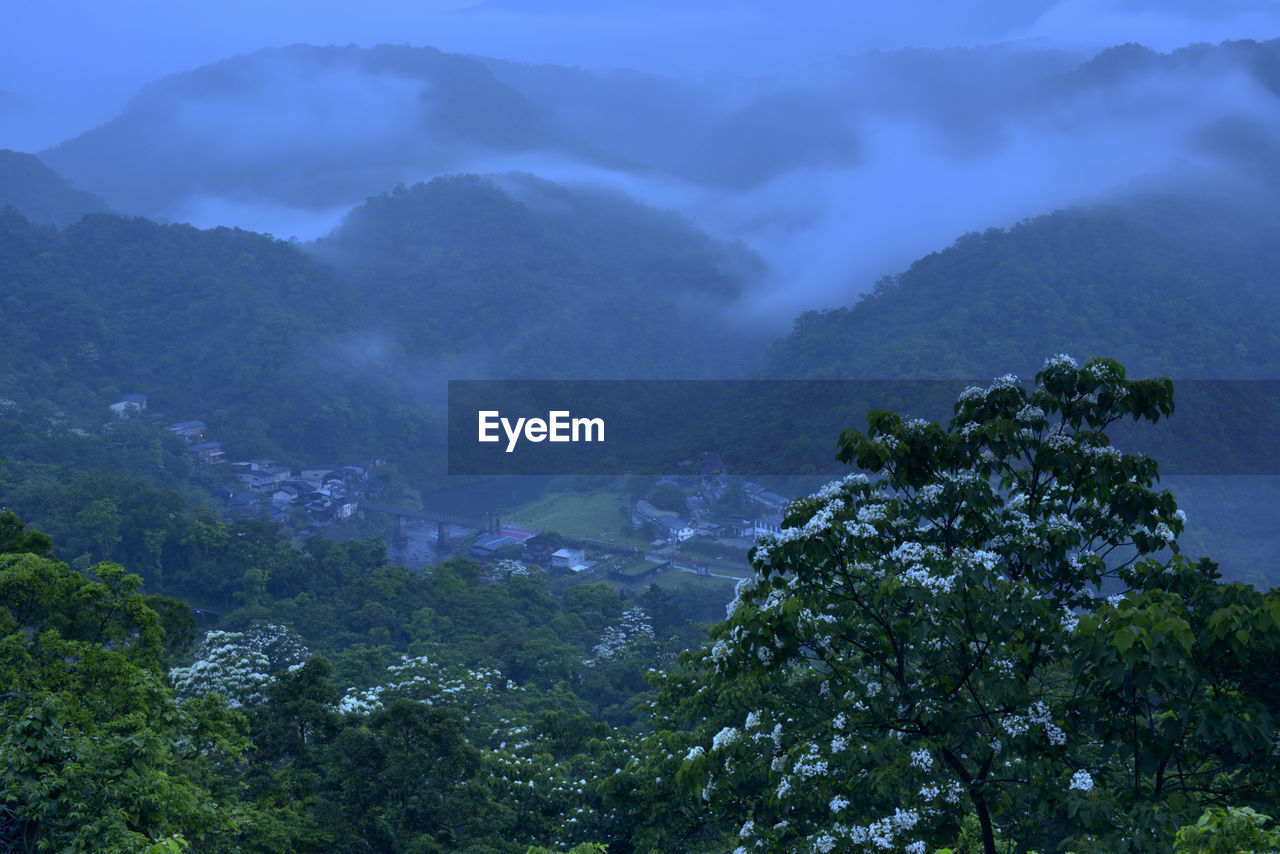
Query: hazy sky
{"points": [[67, 65]]}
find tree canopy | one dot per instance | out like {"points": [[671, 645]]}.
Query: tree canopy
{"points": [[996, 624]]}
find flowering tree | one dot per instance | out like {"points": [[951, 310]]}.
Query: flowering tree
{"points": [[239, 665], [937, 642], [632, 633], [425, 680]]}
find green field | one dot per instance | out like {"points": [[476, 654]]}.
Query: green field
{"points": [[638, 568], [603, 515], [675, 579], [711, 549]]}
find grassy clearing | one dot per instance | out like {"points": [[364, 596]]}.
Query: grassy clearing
{"points": [[675, 580], [576, 514]]}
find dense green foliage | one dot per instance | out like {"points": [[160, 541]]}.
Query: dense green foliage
{"points": [[95, 752], [999, 625], [1228, 831], [430, 749], [994, 644]]}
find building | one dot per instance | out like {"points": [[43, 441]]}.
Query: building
{"points": [[209, 452], [765, 497], [571, 559], [130, 405], [192, 431], [318, 475], [263, 477], [675, 529], [638, 571], [485, 546]]}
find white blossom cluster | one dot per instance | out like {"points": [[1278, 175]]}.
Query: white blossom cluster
{"points": [[421, 679], [226, 664], [885, 833], [725, 737], [633, 630], [526, 779], [505, 570]]}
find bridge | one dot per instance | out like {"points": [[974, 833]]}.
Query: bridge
{"points": [[442, 518]]}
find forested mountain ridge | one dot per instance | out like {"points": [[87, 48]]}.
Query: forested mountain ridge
{"points": [[1171, 285], [344, 353], [329, 125], [516, 277], [207, 323], [40, 194]]}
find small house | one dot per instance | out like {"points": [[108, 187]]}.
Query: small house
{"points": [[192, 431], [130, 405], [209, 452], [571, 559], [674, 528]]}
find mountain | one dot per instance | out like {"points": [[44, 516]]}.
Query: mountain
{"points": [[208, 324], [1169, 285], [514, 277], [41, 194], [341, 349], [301, 126], [617, 118], [1172, 286], [322, 128]]}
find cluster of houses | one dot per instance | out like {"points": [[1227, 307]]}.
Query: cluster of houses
{"points": [[699, 521], [570, 559], [133, 405], [326, 493]]}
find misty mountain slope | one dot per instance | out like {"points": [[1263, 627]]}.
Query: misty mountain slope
{"points": [[518, 277], [342, 352], [619, 118], [221, 326], [1258, 60], [41, 194], [112, 305], [965, 95], [910, 146], [303, 126], [1168, 285]]}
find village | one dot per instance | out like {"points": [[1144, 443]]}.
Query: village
{"points": [[690, 535]]}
